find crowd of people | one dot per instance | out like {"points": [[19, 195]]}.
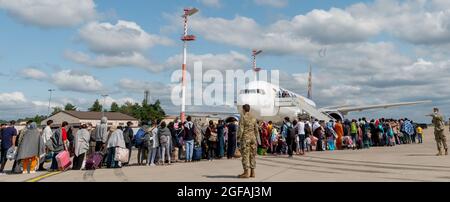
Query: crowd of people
{"points": [[159, 143], [87, 147], [300, 136]]}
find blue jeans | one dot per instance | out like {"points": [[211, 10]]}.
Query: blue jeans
{"points": [[152, 152], [110, 162], [301, 142], [189, 150], [54, 165], [354, 138]]}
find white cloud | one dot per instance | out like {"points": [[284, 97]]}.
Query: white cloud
{"points": [[300, 35], [133, 59], [272, 3], [72, 81], [50, 13], [33, 73], [124, 44], [123, 37], [231, 60], [211, 3], [12, 98], [328, 27], [416, 21]]}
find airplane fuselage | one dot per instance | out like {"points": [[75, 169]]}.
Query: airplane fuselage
{"points": [[262, 98]]}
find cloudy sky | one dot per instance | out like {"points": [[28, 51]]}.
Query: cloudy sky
{"points": [[376, 51]]}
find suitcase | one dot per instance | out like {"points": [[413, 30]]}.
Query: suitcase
{"points": [[94, 161], [63, 159], [197, 156]]}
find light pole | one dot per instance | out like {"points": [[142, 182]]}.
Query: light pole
{"points": [[104, 103], [255, 68], [50, 101], [186, 38]]}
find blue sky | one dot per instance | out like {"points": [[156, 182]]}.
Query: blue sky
{"points": [[375, 53]]}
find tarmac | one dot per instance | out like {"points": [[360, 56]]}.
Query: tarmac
{"points": [[403, 163]]}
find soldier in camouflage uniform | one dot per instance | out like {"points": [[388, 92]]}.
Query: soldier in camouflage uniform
{"points": [[248, 137], [439, 127]]}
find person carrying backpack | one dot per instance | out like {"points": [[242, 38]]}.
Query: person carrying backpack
{"points": [[288, 132], [138, 141], [189, 136], [164, 136], [128, 136]]}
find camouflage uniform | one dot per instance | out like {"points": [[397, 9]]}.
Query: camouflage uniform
{"points": [[441, 140], [247, 137]]}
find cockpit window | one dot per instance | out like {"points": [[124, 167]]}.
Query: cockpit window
{"points": [[253, 91]]}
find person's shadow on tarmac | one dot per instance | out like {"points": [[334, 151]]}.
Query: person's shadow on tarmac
{"points": [[220, 176]]}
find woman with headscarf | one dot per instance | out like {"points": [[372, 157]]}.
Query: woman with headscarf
{"points": [[115, 141], [318, 132], [340, 133], [211, 136], [379, 132], [331, 135], [81, 144], [232, 132], [31, 148], [265, 135], [220, 139]]}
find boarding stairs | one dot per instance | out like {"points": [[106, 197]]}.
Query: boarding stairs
{"points": [[303, 106]]}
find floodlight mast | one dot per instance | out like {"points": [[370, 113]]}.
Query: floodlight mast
{"points": [[186, 38], [255, 68]]}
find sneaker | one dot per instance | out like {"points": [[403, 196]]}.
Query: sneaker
{"points": [[24, 172], [152, 165], [2, 173], [32, 172]]}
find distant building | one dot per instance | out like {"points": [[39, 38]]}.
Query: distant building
{"points": [[77, 118]]}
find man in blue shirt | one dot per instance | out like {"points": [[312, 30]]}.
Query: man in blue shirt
{"points": [[8, 136]]}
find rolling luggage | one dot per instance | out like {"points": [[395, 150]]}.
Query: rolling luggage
{"points": [[94, 161], [63, 159], [197, 156]]}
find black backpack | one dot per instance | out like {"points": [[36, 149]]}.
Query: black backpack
{"points": [[291, 131], [307, 129]]}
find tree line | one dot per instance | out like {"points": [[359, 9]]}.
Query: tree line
{"points": [[142, 112]]}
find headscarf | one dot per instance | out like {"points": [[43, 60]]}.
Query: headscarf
{"points": [[116, 139], [316, 125], [32, 143]]}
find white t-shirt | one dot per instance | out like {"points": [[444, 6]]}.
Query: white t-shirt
{"points": [[301, 128], [47, 134]]}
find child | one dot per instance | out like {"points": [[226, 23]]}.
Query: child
{"points": [[420, 134], [274, 141], [308, 143]]}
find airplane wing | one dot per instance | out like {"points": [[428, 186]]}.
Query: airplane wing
{"points": [[346, 109], [212, 114]]}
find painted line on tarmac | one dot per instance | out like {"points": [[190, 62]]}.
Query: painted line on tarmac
{"points": [[41, 177]]}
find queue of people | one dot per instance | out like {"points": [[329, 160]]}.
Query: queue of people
{"points": [[87, 147], [161, 143], [300, 136]]}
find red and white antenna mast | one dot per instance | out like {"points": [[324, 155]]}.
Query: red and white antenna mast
{"points": [[185, 38], [255, 68]]}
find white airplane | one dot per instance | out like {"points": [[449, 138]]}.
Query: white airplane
{"points": [[272, 103]]}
